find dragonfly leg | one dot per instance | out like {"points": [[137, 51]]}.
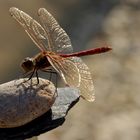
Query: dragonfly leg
{"points": [[36, 73], [30, 74]]}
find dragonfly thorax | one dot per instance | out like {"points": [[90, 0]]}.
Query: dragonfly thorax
{"points": [[41, 61]]}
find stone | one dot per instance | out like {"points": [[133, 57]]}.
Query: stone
{"points": [[66, 98]]}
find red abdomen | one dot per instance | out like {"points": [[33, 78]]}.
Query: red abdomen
{"points": [[88, 52]]}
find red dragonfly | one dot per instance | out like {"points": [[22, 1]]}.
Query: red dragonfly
{"points": [[56, 51]]}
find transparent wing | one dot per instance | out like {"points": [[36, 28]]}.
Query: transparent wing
{"points": [[67, 70], [32, 28], [75, 73], [86, 84], [58, 39]]}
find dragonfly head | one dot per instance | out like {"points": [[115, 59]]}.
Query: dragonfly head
{"points": [[27, 64]]}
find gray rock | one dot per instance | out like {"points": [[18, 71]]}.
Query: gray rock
{"points": [[22, 102], [54, 117]]}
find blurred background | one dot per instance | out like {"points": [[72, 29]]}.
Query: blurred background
{"points": [[115, 114]]}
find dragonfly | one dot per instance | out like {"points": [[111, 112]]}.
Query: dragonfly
{"points": [[56, 52]]}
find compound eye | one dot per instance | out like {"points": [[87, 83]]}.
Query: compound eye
{"points": [[27, 59], [27, 64]]}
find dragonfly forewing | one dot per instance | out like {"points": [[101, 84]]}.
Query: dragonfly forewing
{"points": [[31, 27], [58, 39]]}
